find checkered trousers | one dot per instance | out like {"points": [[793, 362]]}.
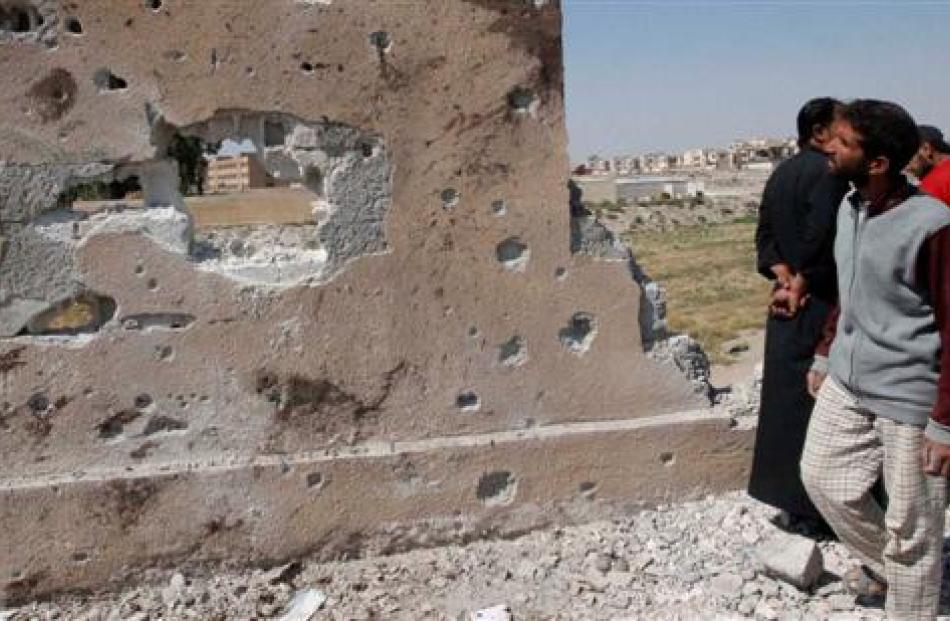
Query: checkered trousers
{"points": [[846, 450]]}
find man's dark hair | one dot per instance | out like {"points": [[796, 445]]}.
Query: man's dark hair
{"points": [[821, 112], [886, 130]]}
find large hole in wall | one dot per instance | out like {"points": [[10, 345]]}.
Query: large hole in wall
{"points": [[102, 193], [261, 198], [57, 208], [84, 313], [279, 200]]}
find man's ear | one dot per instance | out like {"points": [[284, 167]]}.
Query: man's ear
{"points": [[821, 133], [879, 165]]}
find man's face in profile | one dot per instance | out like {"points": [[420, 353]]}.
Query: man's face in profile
{"points": [[922, 162], [846, 155]]}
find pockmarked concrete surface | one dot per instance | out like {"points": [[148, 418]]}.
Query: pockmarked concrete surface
{"points": [[431, 359]]}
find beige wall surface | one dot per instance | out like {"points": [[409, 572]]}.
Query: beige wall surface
{"points": [[434, 352]]}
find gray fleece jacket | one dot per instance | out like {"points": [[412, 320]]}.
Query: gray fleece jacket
{"points": [[887, 347]]}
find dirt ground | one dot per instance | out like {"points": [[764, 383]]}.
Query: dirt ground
{"points": [[263, 206]]}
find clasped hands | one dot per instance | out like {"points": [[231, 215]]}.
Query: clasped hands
{"points": [[790, 294]]}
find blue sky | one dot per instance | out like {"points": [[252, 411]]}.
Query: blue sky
{"points": [[672, 74]]}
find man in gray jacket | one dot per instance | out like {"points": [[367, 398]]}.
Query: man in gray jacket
{"points": [[884, 407]]}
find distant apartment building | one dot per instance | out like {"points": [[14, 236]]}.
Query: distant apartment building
{"points": [[655, 162], [597, 165], [763, 154], [236, 173], [757, 154], [694, 158]]}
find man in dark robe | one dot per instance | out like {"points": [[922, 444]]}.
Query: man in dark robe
{"points": [[794, 242]]}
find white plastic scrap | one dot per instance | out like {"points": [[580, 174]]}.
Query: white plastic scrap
{"points": [[495, 613], [304, 605]]}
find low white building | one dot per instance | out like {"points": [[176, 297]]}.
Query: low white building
{"points": [[645, 189]]}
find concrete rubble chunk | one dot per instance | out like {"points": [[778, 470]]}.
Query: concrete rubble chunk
{"points": [[792, 558], [726, 585]]}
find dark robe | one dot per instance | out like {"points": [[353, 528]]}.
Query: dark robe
{"points": [[797, 227]]}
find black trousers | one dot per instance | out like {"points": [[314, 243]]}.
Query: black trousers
{"points": [[785, 410]]}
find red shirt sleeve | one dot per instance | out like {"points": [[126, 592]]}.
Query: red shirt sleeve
{"points": [[934, 262], [937, 183], [828, 332]]}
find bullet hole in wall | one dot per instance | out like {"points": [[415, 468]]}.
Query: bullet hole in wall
{"points": [[315, 480], [19, 17], [38, 403], [114, 426], [163, 424], [73, 26], [381, 41], [497, 488], [579, 333], [158, 321], [513, 352], [450, 198], [468, 402], [513, 254], [523, 100], [106, 81], [587, 489]]}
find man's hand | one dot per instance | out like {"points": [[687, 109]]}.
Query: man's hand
{"points": [[782, 304], [936, 458], [783, 274], [790, 294], [815, 379], [798, 292]]}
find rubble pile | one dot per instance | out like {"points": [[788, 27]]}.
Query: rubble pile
{"points": [[724, 557]]}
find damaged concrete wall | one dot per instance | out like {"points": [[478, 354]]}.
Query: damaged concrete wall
{"points": [[424, 361]]}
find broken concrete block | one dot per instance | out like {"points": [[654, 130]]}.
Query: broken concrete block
{"points": [[793, 559], [726, 585]]}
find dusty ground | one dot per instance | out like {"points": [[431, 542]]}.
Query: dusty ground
{"points": [[264, 206], [690, 561], [745, 353]]}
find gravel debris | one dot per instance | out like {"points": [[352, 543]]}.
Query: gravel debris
{"points": [[687, 561]]}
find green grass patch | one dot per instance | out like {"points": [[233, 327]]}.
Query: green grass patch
{"points": [[713, 290]]}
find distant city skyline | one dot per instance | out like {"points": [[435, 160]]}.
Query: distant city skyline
{"points": [[645, 75]]}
